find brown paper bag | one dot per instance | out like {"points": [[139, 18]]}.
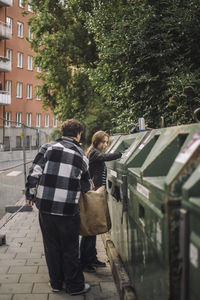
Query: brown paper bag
{"points": [[94, 212]]}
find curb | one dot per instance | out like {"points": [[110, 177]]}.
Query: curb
{"points": [[120, 275], [4, 219]]}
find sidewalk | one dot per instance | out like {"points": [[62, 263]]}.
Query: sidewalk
{"points": [[23, 271]]}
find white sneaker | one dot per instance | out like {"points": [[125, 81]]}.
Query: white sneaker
{"points": [[54, 289], [83, 291]]}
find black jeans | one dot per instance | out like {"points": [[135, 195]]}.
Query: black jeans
{"points": [[61, 245], [88, 252]]}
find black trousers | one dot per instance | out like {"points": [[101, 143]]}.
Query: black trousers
{"points": [[88, 252], [61, 245]]}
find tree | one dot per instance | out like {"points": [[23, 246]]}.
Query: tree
{"points": [[64, 52], [108, 63]]}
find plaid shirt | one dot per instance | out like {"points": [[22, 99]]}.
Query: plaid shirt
{"points": [[58, 173]]}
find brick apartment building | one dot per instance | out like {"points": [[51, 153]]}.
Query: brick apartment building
{"points": [[18, 84]]}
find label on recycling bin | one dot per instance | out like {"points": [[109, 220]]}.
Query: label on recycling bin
{"points": [[194, 255], [143, 190], [189, 149], [129, 194], [113, 173], [146, 140]]}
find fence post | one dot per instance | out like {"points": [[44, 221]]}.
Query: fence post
{"points": [[24, 151]]}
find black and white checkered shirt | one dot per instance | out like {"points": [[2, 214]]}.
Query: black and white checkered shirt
{"points": [[58, 173]]}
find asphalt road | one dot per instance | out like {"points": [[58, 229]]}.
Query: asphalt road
{"points": [[11, 187]]}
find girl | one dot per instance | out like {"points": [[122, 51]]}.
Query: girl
{"points": [[97, 169]]}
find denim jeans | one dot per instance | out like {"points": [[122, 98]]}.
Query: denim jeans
{"points": [[61, 245]]}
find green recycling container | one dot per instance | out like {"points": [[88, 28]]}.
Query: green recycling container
{"points": [[190, 230], [117, 190], [154, 212], [112, 141]]}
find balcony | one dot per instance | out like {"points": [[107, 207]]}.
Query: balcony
{"points": [[5, 31], [6, 3], [5, 64], [5, 98]]}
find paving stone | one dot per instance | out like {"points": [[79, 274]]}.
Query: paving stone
{"points": [[94, 292], [15, 288], [7, 255], [23, 240], [30, 297], [9, 278], [42, 269], [38, 239], [28, 255], [12, 262], [34, 261], [41, 288], [34, 278], [3, 249], [104, 271], [5, 297], [23, 270], [33, 244], [64, 296], [18, 234], [12, 249], [38, 249], [108, 289], [4, 269]]}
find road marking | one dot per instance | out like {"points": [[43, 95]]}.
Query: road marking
{"points": [[14, 173]]}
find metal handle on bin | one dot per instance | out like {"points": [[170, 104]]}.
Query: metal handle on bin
{"points": [[197, 115], [124, 196]]}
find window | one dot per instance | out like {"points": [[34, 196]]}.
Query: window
{"points": [[38, 97], [20, 3], [9, 22], [46, 121], [20, 29], [28, 119], [38, 120], [9, 86], [19, 60], [18, 142], [30, 63], [29, 91], [9, 54], [8, 118], [55, 122], [19, 90], [30, 34], [18, 119], [30, 7], [38, 69]]}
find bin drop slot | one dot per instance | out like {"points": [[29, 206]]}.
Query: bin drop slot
{"points": [[139, 159], [116, 193], [141, 213], [109, 184], [164, 160], [124, 145]]}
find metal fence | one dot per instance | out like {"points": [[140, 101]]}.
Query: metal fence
{"points": [[18, 146]]}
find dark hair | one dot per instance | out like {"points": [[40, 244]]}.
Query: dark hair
{"points": [[97, 138], [71, 128]]}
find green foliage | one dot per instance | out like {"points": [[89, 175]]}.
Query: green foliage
{"points": [[55, 134], [64, 52], [108, 63], [148, 55]]}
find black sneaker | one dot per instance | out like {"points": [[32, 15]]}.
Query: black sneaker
{"points": [[89, 269], [99, 264], [83, 291]]}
